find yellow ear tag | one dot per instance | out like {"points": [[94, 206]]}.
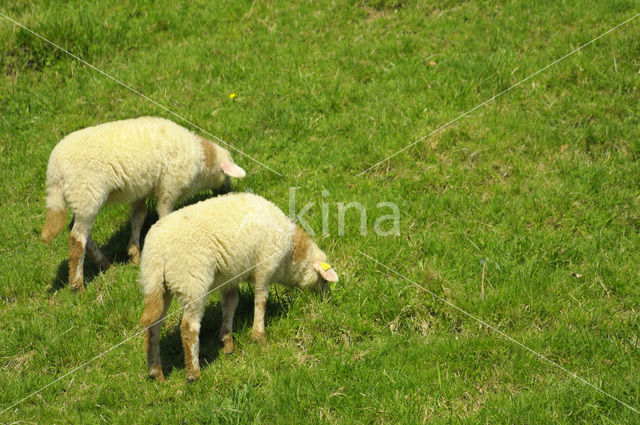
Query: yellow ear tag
{"points": [[325, 266]]}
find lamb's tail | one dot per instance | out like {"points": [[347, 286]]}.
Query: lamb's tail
{"points": [[154, 293], [56, 212]]}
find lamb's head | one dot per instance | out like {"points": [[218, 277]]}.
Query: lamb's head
{"points": [[309, 267], [220, 165]]}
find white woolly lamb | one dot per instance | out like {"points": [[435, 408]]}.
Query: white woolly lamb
{"points": [[126, 161], [215, 243]]}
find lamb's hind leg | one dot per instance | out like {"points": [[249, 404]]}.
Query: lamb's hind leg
{"points": [[78, 238], [96, 255], [138, 213], [190, 333], [229, 304], [152, 338]]}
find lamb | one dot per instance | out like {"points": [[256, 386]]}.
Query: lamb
{"points": [[216, 244], [126, 162]]}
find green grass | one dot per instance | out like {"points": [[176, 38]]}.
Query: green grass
{"points": [[543, 183]]}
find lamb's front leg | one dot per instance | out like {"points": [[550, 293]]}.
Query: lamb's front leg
{"points": [[260, 305], [229, 304], [166, 201], [138, 213]]}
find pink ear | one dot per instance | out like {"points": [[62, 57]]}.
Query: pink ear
{"points": [[329, 275], [232, 170]]}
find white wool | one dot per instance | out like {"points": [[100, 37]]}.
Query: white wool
{"points": [[216, 244], [204, 245], [128, 160]]}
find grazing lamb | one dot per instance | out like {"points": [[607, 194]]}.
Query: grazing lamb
{"points": [[219, 243], [126, 161]]}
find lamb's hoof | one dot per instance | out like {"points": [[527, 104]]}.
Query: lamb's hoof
{"points": [[77, 286], [134, 254], [106, 265], [156, 373], [227, 347], [193, 376], [258, 337]]}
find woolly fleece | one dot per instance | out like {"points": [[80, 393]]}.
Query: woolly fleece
{"points": [[128, 161], [223, 241]]}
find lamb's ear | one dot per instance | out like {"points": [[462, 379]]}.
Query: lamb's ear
{"points": [[326, 271], [232, 170]]}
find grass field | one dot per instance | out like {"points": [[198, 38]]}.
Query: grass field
{"points": [[524, 213]]}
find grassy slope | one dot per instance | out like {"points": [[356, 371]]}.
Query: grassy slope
{"points": [[325, 90]]}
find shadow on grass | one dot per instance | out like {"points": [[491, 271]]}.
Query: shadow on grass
{"points": [[210, 345], [116, 247]]}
